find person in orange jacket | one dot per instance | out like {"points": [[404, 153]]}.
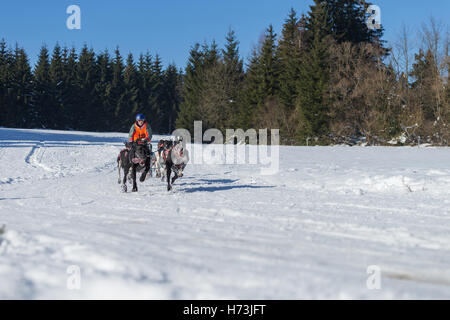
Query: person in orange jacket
{"points": [[140, 130], [140, 133]]}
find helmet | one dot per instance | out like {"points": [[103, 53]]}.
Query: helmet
{"points": [[140, 116]]}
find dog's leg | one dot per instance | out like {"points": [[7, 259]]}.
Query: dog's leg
{"points": [[180, 174], [158, 166], [125, 174], [168, 173], [119, 163], [152, 166], [147, 168], [162, 170], [133, 176], [175, 177], [163, 173], [175, 171]]}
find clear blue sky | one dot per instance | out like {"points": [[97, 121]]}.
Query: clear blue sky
{"points": [[170, 28]]}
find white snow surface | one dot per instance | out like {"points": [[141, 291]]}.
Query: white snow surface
{"points": [[225, 232]]}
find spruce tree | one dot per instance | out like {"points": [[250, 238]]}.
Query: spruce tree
{"points": [[146, 92], [262, 82], [131, 94], [269, 66], [212, 101], [233, 77], [171, 98], [8, 113], [56, 118], [88, 110], [104, 70], [42, 99], [192, 86], [5, 60], [21, 79], [312, 83], [289, 53], [347, 21], [155, 107], [424, 72], [70, 89], [249, 97], [115, 91]]}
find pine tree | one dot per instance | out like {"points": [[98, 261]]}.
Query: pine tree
{"points": [[212, 101], [347, 21], [146, 91], [260, 107], [42, 100], [249, 98], [5, 62], [115, 91], [70, 89], [155, 107], [89, 110], [22, 79], [312, 83], [131, 93], [424, 72], [233, 77], [171, 98], [212, 105], [104, 69], [56, 73], [269, 65], [191, 90], [289, 53], [56, 65]]}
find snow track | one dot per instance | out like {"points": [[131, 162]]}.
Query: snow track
{"points": [[310, 231], [34, 158]]}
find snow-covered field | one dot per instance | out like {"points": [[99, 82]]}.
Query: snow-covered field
{"points": [[225, 231]]}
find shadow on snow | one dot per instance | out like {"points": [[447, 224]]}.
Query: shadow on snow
{"points": [[47, 135], [223, 188]]}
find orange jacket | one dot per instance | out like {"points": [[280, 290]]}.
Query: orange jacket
{"points": [[144, 132]]}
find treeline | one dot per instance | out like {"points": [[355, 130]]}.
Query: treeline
{"points": [[325, 79], [86, 91]]}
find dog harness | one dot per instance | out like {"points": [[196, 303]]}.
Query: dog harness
{"points": [[138, 161]]}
